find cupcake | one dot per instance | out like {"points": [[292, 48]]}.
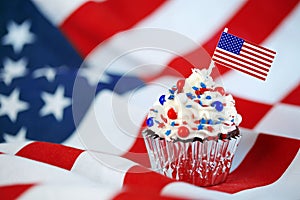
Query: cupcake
{"points": [[192, 131]]}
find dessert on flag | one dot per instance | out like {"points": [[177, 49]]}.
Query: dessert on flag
{"points": [[192, 131]]}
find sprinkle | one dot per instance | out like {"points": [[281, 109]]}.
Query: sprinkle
{"points": [[195, 88], [200, 127], [197, 101], [168, 132], [188, 106], [153, 110], [162, 99], [161, 125], [164, 119], [173, 123], [172, 114], [218, 105], [202, 85], [171, 97], [184, 122], [156, 121], [197, 121], [150, 122], [210, 121], [200, 103], [208, 97], [232, 120], [183, 131], [221, 118], [171, 91], [190, 95], [203, 121], [195, 129], [198, 96], [210, 128]]}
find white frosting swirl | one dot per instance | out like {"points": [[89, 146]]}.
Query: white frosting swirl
{"points": [[200, 109]]}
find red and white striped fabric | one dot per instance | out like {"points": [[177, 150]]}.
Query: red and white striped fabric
{"points": [[267, 162]]}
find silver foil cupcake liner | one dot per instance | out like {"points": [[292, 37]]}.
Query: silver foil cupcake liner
{"points": [[202, 163]]}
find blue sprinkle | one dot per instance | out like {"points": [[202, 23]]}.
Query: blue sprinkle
{"points": [[171, 91], [156, 111], [198, 96], [201, 103], [218, 105], [149, 122], [202, 85], [210, 121], [162, 99], [157, 122], [195, 88], [188, 106], [200, 127], [202, 121], [217, 122], [208, 97], [168, 132], [221, 119], [190, 95], [172, 123], [232, 120], [171, 97]]}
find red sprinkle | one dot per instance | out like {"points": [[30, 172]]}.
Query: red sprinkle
{"points": [[180, 85], [183, 131], [210, 129], [161, 125], [172, 114], [184, 122], [165, 119]]}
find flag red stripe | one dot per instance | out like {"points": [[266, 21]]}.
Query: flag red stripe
{"points": [[256, 55], [260, 52], [239, 69], [264, 48], [50, 153], [264, 164], [255, 60], [221, 59], [14, 191], [240, 58], [94, 22]]}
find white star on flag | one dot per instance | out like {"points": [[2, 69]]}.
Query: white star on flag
{"points": [[19, 137], [18, 35], [11, 105], [47, 72], [55, 103], [13, 69]]}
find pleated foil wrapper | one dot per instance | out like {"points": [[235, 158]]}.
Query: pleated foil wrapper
{"points": [[202, 163]]}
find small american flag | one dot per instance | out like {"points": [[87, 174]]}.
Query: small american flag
{"points": [[243, 56]]}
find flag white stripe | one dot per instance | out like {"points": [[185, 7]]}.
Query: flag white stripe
{"points": [[239, 67], [238, 61], [256, 53], [259, 59], [258, 48], [243, 58]]}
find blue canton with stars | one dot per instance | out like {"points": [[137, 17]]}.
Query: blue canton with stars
{"points": [[38, 67], [230, 43]]}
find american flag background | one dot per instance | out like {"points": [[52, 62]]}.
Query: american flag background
{"points": [[76, 84]]}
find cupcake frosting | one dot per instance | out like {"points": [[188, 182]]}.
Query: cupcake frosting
{"points": [[196, 107]]}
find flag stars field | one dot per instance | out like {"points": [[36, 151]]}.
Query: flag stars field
{"points": [[13, 69], [55, 103], [18, 35], [11, 105]]}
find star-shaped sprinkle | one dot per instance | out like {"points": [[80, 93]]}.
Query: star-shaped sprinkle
{"points": [[55, 103], [11, 105], [18, 35]]}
